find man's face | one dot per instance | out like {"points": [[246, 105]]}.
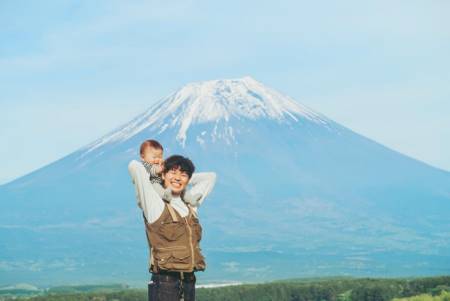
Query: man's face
{"points": [[176, 180], [151, 154]]}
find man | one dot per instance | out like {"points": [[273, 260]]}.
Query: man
{"points": [[173, 228]]}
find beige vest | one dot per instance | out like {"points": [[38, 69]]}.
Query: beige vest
{"points": [[174, 241]]}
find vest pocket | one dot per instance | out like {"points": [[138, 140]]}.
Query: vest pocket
{"points": [[173, 258], [171, 230]]}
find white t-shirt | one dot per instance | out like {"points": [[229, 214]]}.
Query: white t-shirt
{"points": [[152, 204]]}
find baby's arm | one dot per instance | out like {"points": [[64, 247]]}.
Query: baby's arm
{"points": [[155, 170]]}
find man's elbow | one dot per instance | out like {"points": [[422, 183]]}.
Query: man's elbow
{"points": [[213, 177], [131, 166], [132, 171]]}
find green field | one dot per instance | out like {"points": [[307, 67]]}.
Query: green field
{"points": [[311, 289]]}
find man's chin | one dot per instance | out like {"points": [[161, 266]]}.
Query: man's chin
{"points": [[176, 192]]}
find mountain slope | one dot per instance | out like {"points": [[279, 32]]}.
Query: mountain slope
{"points": [[295, 190]]}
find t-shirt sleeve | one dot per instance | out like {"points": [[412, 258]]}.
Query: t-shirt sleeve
{"points": [[147, 199], [202, 182]]}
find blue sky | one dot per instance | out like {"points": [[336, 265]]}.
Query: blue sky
{"points": [[71, 71]]}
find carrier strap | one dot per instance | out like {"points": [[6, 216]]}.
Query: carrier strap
{"points": [[192, 211], [172, 212]]}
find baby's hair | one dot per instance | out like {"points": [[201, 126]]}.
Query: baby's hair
{"points": [[150, 143]]}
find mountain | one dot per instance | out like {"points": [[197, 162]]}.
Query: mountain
{"points": [[297, 194]]}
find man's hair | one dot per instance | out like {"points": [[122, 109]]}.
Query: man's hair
{"points": [[179, 162], [150, 143]]}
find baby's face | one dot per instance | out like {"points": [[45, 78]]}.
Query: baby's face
{"points": [[151, 155]]}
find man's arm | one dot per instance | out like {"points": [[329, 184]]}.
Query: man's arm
{"points": [[147, 199], [202, 182]]}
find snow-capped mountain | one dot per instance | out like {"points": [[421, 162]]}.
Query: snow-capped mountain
{"points": [[215, 101], [295, 191]]}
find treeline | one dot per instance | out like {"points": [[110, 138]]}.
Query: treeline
{"points": [[336, 289], [443, 296], [321, 289]]}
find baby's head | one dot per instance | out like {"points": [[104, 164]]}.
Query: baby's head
{"points": [[151, 150]]}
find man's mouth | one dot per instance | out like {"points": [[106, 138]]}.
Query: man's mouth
{"points": [[175, 184]]}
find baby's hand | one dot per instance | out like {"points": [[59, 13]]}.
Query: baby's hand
{"points": [[154, 161], [159, 168]]}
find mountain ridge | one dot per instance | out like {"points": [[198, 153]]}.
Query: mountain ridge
{"points": [[145, 116], [304, 196]]}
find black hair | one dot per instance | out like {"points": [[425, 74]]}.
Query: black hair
{"points": [[179, 162]]}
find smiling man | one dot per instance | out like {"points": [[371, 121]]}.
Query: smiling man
{"points": [[173, 228]]}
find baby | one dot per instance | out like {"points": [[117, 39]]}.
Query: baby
{"points": [[151, 152]]}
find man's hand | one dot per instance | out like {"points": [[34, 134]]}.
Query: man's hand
{"points": [[159, 168]]}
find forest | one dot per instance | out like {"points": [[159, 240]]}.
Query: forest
{"points": [[311, 289]]}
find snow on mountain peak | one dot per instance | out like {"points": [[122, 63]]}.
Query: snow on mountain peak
{"points": [[245, 97], [213, 101]]}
